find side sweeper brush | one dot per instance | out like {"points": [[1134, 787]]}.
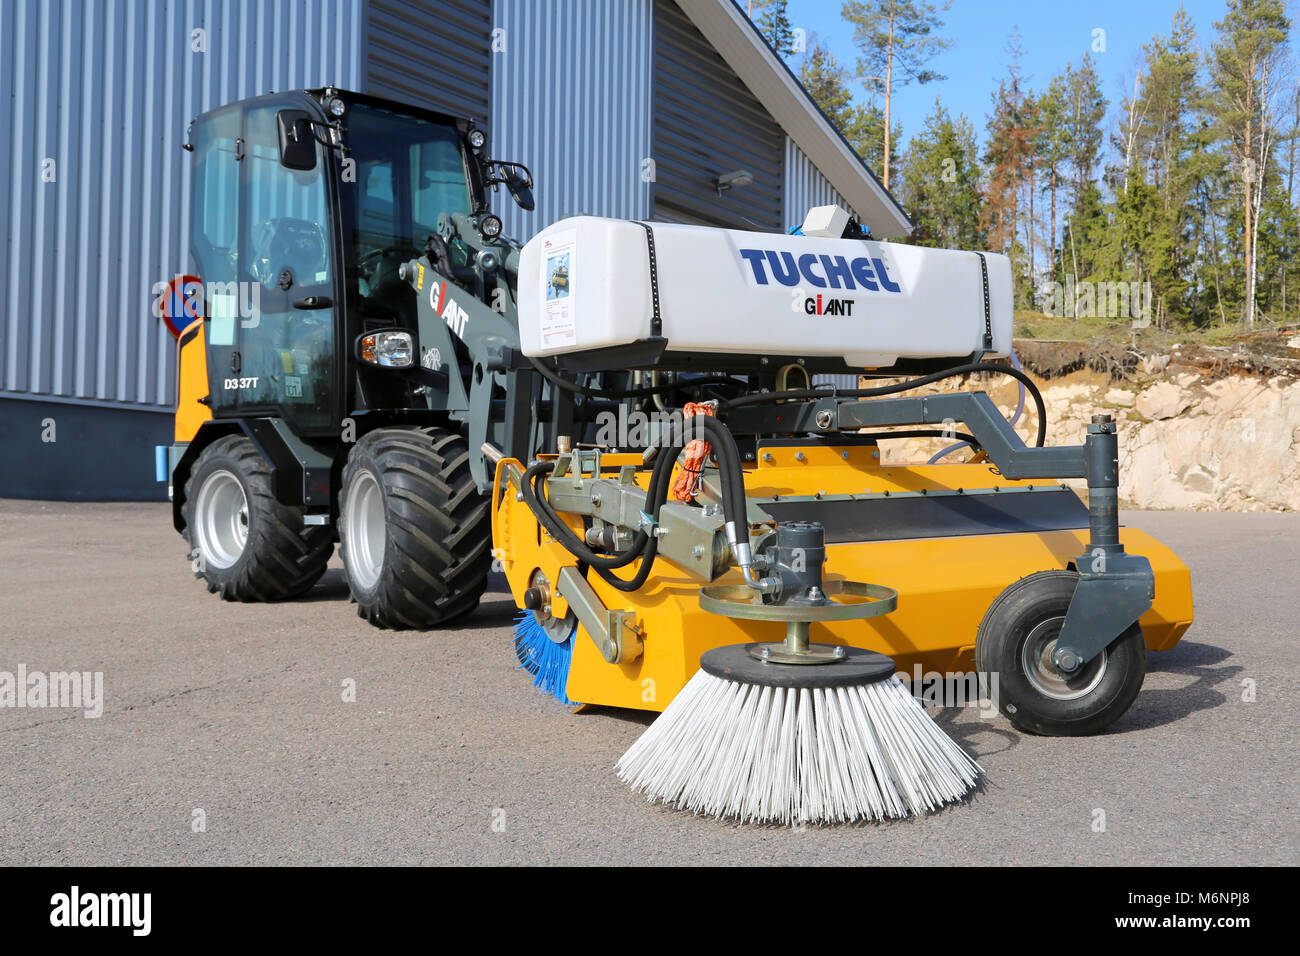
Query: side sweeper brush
{"points": [[542, 656], [544, 642], [798, 732]]}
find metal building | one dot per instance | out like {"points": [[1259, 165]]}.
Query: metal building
{"points": [[628, 108]]}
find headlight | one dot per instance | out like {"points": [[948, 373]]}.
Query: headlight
{"points": [[336, 106], [388, 349], [477, 138], [489, 225]]}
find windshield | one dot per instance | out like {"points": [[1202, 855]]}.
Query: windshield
{"points": [[408, 172]]}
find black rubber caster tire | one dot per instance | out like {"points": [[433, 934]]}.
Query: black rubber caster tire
{"points": [[1014, 642]]}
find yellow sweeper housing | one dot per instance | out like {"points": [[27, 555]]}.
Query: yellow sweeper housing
{"points": [[946, 583]]}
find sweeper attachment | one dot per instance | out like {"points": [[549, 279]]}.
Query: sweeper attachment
{"points": [[710, 542]]}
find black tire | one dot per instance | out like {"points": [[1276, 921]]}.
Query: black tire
{"points": [[423, 558], [1020, 627], [281, 558]]}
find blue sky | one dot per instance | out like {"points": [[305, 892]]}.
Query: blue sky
{"points": [[1053, 33]]}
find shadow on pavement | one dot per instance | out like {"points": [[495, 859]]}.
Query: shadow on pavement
{"points": [[1156, 707]]}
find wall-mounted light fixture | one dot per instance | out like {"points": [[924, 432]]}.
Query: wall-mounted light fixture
{"points": [[733, 180]]}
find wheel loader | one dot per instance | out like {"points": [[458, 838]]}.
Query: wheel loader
{"points": [[625, 419]]}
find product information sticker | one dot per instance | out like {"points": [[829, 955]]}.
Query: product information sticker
{"points": [[558, 325]]}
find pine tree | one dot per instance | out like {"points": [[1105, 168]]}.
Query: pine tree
{"points": [[774, 24], [863, 126], [896, 38], [1052, 150], [1244, 66], [824, 79], [940, 178]]}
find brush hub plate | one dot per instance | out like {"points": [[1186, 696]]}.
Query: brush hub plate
{"points": [[735, 662]]}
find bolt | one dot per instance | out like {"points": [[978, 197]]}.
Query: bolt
{"points": [[697, 552], [519, 496], [767, 457], [546, 609], [844, 455], [825, 419], [610, 651], [799, 456]]}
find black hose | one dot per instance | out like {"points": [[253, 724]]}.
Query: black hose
{"points": [[764, 398], [559, 382], [644, 546]]}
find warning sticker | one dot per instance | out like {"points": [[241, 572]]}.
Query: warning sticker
{"points": [[558, 325]]}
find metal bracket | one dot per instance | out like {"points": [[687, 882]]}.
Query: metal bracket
{"points": [[614, 632], [1106, 601]]}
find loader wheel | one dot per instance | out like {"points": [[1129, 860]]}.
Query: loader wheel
{"points": [[1015, 641], [243, 542], [414, 531]]}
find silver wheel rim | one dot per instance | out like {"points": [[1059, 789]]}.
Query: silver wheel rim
{"points": [[1036, 662], [221, 519], [364, 526]]}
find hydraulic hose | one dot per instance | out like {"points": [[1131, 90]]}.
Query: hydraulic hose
{"points": [[644, 545], [766, 397], [967, 440]]}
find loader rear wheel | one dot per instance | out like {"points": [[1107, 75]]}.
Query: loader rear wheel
{"points": [[1015, 642], [243, 542], [414, 531]]}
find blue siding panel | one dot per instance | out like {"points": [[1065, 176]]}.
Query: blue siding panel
{"points": [[570, 99], [805, 187], [106, 90]]}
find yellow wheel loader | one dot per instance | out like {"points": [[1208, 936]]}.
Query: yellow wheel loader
{"points": [[606, 411]]}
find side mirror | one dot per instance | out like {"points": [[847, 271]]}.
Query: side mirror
{"points": [[297, 143], [521, 189]]}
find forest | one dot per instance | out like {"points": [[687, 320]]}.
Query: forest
{"points": [[1170, 201]]}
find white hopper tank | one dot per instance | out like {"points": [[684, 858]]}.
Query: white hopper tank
{"points": [[585, 284]]}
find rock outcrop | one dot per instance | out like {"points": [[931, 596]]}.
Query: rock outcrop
{"points": [[1188, 439]]}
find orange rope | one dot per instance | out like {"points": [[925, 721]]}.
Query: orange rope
{"points": [[687, 483]]}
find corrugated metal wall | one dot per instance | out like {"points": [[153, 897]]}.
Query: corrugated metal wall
{"points": [[570, 95], [805, 187], [432, 53], [706, 122], [96, 100]]}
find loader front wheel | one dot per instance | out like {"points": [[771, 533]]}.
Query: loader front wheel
{"points": [[1014, 644], [414, 531], [244, 543]]}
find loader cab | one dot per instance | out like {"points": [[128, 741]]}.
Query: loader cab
{"points": [[304, 206]]}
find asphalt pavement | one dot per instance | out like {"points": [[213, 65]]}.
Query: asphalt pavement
{"points": [[226, 737]]}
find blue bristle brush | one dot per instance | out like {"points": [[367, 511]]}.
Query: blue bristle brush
{"points": [[542, 657]]}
